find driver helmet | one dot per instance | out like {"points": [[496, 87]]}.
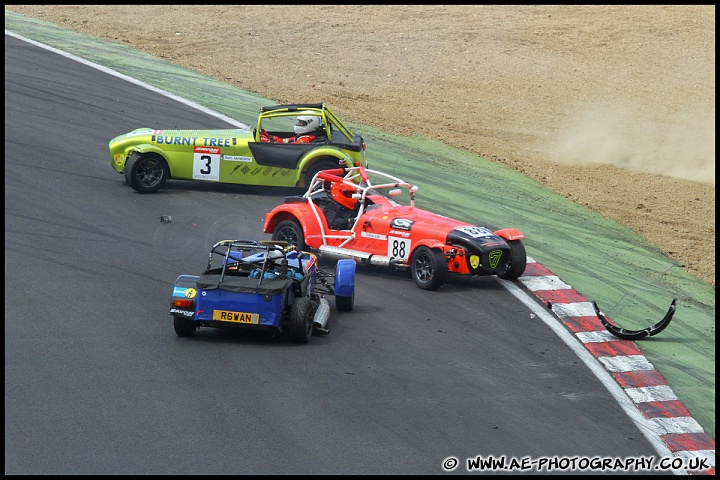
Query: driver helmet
{"points": [[342, 194], [308, 121]]}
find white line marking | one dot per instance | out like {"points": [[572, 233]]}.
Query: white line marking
{"points": [[115, 73], [659, 393], [544, 282], [664, 425], [574, 309], [599, 336], [626, 363]]}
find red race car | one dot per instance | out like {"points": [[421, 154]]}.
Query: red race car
{"points": [[359, 213]]}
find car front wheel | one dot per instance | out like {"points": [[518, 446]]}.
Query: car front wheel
{"points": [[518, 261], [429, 268], [146, 172], [290, 231], [345, 304]]}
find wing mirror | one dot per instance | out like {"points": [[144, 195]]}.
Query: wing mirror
{"points": [[395, 192]]}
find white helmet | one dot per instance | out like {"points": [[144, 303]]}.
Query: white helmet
{"points": [[307, 121]]}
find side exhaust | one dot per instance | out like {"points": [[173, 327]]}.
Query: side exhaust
{"points": [[363, 258], [321, 317]]}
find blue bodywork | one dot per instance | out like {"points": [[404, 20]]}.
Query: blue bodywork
{"points": [[248, 284]]}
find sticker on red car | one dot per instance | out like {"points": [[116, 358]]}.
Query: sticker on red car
{"points": [[398, 247], [401, 223]]}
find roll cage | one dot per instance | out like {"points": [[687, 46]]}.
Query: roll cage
{"points": [[247, 258], [264, 263], [361, 180], [331, 123]]}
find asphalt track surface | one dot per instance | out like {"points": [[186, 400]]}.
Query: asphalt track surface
{"points": [[96, 382]]}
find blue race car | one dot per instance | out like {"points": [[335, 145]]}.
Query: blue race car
{"points": [[266, 285]]}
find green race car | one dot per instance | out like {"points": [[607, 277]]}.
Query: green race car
{"points": [[280, 151]]}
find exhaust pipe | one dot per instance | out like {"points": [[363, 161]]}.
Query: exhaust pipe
{"points": [[363, 258], [321, 316]]}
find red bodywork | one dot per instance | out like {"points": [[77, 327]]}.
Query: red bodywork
{"points": [[384, 229]]}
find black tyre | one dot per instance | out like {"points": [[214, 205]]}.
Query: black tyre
{"points": [[290, 231], [146, 172], [300, 327], [429, 268], [184, 327], [345, 304], [321, 165], [518, 260]]}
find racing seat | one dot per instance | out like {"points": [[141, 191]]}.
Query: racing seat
{"points": [[321, 137]]}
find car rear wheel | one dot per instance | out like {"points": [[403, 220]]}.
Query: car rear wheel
{"points": [[321, 165], [518, 260], [290, 231], [429, 268], [184, 327], [301, 312], [146, 172]]}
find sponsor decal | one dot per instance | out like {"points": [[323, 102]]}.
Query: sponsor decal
{"points": [[398, 248], [170, 140], [207, 150], [190, 293], [474, 261], [237, 158], [186, 313], [401, 223], [206, 163], [376, 236], [209, 142], [179, 291], [476, 232], [495, 257], [398, 232], [217, 142]]}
